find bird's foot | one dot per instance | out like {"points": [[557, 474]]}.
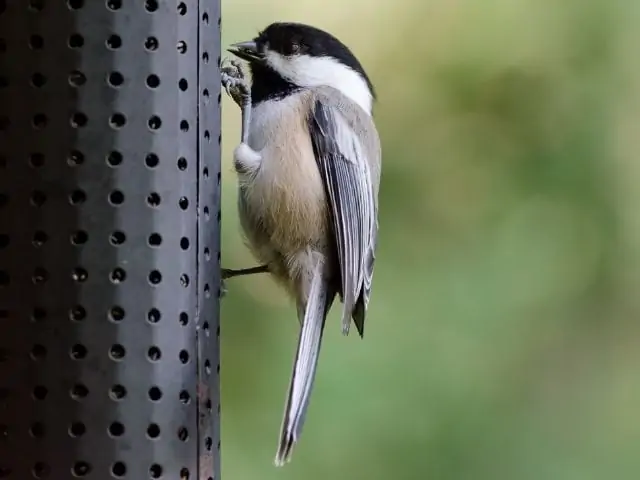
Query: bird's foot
{"points": [[235, 82]]}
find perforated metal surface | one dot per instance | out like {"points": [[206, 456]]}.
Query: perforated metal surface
{"points": [[109, 239]]}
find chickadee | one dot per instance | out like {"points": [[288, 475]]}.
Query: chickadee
{"points": [[309, 171]]}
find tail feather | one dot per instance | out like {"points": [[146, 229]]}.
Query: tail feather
{"points": [[320, 300]]}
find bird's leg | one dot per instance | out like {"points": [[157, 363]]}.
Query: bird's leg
{"points": [[246, 160], [237, 87], [229, 273]]}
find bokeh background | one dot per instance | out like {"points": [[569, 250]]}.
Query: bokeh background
{"points": [[503, 340]]}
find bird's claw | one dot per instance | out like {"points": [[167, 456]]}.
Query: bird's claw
{"points": [[234, 81]]}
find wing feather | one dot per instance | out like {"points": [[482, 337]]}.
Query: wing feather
{"points": [[345, 170]]}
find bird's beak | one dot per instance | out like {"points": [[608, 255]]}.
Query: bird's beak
{"points": [[247, 51]]}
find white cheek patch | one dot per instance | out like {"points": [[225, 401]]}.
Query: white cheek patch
{"points": [[307, 71]]}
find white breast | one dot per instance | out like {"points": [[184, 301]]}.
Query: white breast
{"points": [[286, 193], [268, 117]]}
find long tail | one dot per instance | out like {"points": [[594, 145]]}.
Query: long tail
{"points": [[320, 299]]}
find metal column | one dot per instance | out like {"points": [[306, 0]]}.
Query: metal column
{"points": [[109, 239]]}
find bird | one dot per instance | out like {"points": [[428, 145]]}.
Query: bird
{"points": [[308, 167]]}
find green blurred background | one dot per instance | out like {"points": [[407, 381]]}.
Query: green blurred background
{"points": [[503, 340]]}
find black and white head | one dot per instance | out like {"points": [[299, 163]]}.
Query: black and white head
{"points": [[286, 57]]}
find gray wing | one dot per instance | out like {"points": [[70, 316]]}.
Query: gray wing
{"points": [[351, 181]]}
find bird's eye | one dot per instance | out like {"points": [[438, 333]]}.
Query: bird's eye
{"points": [[295, 47]]}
